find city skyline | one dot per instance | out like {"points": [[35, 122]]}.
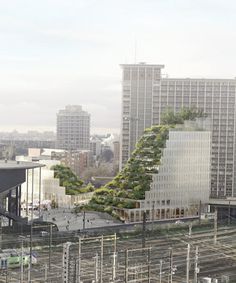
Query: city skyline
{"points": [[48, 62], [118, 141]]}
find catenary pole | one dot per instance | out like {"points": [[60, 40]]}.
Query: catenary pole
{"points": [[114, 260], [215, 226], [160, 275], [196, 265], [101, 261], [22, 264], [187, 263]]}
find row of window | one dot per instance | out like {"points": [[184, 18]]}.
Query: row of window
{"points": [[191, 82]]}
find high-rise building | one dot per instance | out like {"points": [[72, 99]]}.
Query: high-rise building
{"points": [[95, 147], [183, 178], [139, 82], [73, 128], [146, 95], [116, 152]]}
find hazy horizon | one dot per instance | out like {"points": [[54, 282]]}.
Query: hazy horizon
{"points": [[93, 131]]}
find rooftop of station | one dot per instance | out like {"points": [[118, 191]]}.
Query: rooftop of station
{"points": [[11, 165]]}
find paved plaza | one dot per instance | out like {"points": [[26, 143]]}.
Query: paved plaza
{"points": [[66, 220]]}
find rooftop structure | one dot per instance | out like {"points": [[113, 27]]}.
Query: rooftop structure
{"points": [[12, 175], [17, 165]]}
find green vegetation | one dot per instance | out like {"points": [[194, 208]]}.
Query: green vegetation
{"points": [[87, 189], [135, 178], [69, 180], [171, 118]]}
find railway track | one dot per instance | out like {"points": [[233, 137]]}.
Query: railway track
{"points": [[214, 260]]}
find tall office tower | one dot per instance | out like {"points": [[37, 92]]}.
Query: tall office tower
{"points": [[147, 95], [139, 83], [73, 128]]}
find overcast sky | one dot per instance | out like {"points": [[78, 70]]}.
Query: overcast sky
{"points": [[59, 52]]}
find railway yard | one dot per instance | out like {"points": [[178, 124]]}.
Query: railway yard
{"points": [[182, 255]]}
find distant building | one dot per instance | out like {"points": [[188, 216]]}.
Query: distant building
{"points": [[28, 136], [116, 152], [146, 95], [95, 147], [183, 178], [53, 154], [7, 151], [77, 160], [73, 128], [20, 147], [34, 152]]}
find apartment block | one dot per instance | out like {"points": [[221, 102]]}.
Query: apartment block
{"points": [[73, 128]]}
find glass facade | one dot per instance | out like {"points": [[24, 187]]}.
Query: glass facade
{"points": [[183, 179]]}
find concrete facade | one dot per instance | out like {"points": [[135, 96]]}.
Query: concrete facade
{"points": [[73, 128]]}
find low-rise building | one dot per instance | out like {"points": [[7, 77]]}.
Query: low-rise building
{"points": [[77, 160], [42, 188]]}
